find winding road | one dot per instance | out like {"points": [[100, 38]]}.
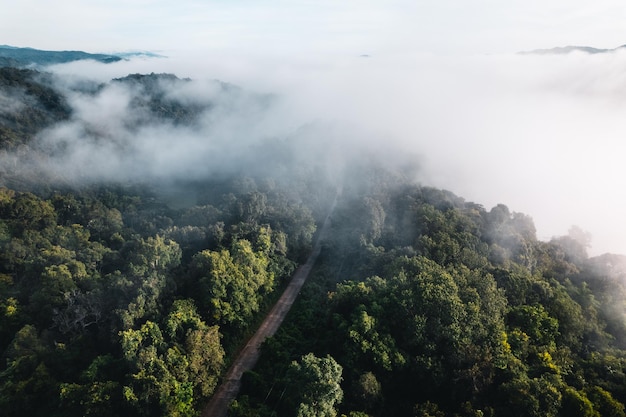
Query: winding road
{"points": [[249, 355]]}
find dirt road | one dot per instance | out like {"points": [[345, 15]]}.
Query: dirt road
{"points": [[249, 355]]}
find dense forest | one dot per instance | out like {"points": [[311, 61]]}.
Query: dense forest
{"points": [[130, 295], [434, 306]]}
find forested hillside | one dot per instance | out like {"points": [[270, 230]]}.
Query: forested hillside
{"points": [[126, 289], [434, 306], [113, 303]]}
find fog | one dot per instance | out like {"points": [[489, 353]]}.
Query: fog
{"points": [[541, 134]]}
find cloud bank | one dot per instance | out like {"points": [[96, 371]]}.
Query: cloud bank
{"points": [[541, 134]]}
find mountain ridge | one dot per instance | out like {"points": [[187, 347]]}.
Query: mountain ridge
{"points": [[564, 50], [15, 56]]}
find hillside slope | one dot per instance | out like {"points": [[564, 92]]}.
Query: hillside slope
{"points": [[144, 228]]}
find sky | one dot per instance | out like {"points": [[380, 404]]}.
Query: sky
{"points": [[351, 26], [542, 134]]}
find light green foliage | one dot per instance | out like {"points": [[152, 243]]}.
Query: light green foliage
{"points": [[205, 356], [535, 321], [443, 320], [222, 287], [232, 283], [172, 370], [317, 381], [381, 348]]}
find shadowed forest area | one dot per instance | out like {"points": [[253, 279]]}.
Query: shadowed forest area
{"points": [[130, 294]]}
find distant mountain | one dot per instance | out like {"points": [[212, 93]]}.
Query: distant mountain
{"points": [[562, 50], [11, 56], [145, 54]]}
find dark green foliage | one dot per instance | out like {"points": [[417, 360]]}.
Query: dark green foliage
{"points": [[604, 402], [150, 97], [130, 299], [437, 307], [28, 56], [98, 300]]}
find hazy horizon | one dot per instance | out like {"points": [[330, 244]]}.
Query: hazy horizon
{"points": [[541, 134]]}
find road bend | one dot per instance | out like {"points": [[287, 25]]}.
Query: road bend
{"points": [[249, 355]]}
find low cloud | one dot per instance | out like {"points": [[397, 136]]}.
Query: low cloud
{"points": [[11, 102], [541, 134], [180, 129]]}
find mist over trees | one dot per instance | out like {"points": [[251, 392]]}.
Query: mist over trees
{"points": [[147, 224], [435, 306]]}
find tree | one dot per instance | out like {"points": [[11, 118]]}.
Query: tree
{"points": [[56, 282], [201, 343], [368, 390], [232, 283], [172, 369], [30, 212], [145, 277], [604, 402], [535, 321], [576, 404], [26, 385], [536, 397], [317, 381]]}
